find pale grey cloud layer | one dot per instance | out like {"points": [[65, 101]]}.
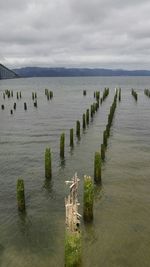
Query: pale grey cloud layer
{"points": [[75, 33]]}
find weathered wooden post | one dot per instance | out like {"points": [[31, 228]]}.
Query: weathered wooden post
{"points": [[11, 111], [20, 195], [88, 199], [20, 94], [73, 246], [17, 95], [78, 129], [71, 138], [48, 164], [62, 145], [2, 107], [97, 168], [83, 121]]}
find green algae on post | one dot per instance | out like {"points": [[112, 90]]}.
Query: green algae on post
{"points": [[97, 167], [88, 199], [71, 138], [48, 164], [78, 129], [62, 145], [73, 249], [20, 195]]}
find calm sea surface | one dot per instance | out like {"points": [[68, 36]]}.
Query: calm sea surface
{"points": [[120, 233]]}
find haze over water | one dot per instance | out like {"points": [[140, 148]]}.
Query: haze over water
{"points": [[119, 235]]}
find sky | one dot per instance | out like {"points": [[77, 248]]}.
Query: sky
{"points": [[75, 33]]}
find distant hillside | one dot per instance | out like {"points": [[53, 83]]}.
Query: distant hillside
{"points": [[74, 72], [6, 73]]}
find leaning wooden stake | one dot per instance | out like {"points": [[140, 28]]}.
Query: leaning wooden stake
{"points": [[20, 195], [48, 164], [97, 167], [62, 145], [88, 199]]}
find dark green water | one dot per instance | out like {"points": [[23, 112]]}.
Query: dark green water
{"points": [[120, 233]]}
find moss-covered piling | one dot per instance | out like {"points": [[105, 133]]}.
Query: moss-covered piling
{"points": [[20, 195], [48, 164], [97, 167], [73, 249], [71, 138], [62, 145], [88, 199]]}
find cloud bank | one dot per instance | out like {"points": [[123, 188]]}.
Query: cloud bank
{"points": [[75, 33]]}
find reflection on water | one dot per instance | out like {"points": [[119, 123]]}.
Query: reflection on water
{"points": [[119, 234]]}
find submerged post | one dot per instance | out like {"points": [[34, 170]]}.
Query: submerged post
{"points": [[20, 195], [97, 167], [88, 199], [48, 164]]}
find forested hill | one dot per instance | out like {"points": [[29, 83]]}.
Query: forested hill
{"points": [[74, 72]]}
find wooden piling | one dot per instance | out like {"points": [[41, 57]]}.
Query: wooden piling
{"points": [[62, 145], [20, 195], [87, 116], [102, 151], [48, 164], [78, 129], [25, 106], [97, 168], [83, 121], [71, 138], [88, 199]]}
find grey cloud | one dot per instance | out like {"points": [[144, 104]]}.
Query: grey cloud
{"points": [[97, 33]]}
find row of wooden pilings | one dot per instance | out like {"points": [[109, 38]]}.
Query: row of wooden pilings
{"points": [[73, 247], [10, 94], [48, 158], [72, 238]]}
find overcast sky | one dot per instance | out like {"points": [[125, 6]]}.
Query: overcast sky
{"points": [[75, 33]]}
